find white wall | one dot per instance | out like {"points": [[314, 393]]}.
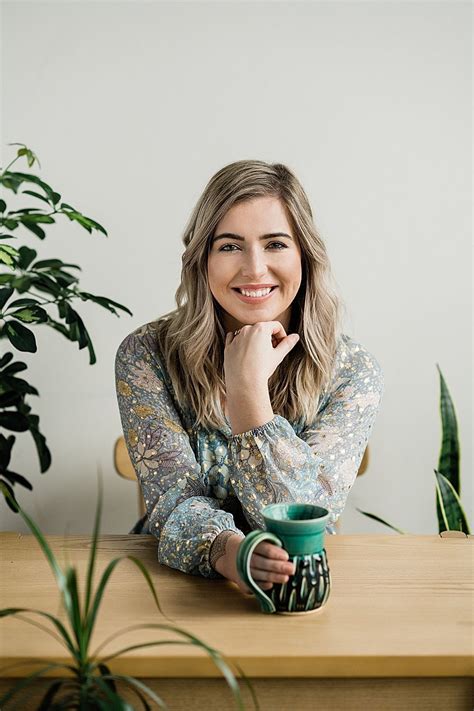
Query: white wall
{"points": [[132, 106]]}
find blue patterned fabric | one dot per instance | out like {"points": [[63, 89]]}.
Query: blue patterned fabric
{"points": [[197, 483]]}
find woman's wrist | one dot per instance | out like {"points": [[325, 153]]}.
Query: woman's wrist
{"points": [[222, 549], [249, 409]]}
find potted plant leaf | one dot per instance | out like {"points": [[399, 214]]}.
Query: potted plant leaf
{"points": [[451, 515], [43, 286], [92, 684]]}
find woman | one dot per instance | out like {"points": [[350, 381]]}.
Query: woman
{"points": [[247, 393]]}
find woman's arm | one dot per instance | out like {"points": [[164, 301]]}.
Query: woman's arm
{"points": [[183, 519], [271, 463]]}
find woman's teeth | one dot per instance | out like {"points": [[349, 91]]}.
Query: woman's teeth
{"points": [[260, 292]]}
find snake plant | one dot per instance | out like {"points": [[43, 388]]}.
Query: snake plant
{"points": [[451, 515], [91, 684]]}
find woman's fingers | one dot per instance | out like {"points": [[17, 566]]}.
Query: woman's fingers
{"points": [[271, 564], [276, 565]]}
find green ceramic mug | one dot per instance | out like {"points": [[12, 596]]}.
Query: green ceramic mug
{"points": [[299, 529]]}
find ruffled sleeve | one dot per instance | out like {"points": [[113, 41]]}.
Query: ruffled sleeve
{"points": [[184, 520], [272, 463]]}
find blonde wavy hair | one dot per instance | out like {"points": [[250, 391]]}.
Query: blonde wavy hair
{"points": [[191, 338]]}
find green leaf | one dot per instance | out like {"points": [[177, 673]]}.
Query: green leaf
{"points": [[9, 222], [37, 218], [21, 284], [8, 255], [64, 278], [24, 302], [452, 512], [449, 455], [47, 699], [14, 421], [33, 314], [23, 683], [35, 229], [46, 263], [139, 687], [25, 151], [8, 382], [66, 639], [73, 610], [5, 294], [103, 301], [6, 444], [10, 399], [10, 498], [78, 331], [92, 556], [21, 337], [15, 478], [117, 703], [14, 368], [36, 195], [44, 455], [27, 255], [380, 520], [6, 278], [59, 327], [19, 178], [3, 206], [5, 359], [84, 221], [43, 282], [105, 671]]}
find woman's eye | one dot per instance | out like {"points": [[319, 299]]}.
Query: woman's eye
{"points": [[223, 248]]}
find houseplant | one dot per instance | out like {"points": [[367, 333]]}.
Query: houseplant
{"points": [[451, 515], [43, 285], [93, 684]]}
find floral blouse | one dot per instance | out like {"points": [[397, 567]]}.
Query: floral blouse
{"points": [[197, 483]]}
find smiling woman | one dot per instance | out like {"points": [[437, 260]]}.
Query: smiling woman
{"points": [[248, 393]]}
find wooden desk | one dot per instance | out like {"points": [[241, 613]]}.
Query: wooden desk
{"points": [[396, 632]]}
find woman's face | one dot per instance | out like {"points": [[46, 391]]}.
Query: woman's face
{"points": [[254, 248]]}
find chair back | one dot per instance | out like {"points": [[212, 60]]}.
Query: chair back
{"points": [[124, 467]]}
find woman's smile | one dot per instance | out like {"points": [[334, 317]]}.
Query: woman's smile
{"points": [[251, 296]]}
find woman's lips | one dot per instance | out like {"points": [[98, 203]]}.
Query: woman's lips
{"points": [[254, 299]]}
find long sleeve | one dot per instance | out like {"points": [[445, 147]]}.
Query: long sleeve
{"points": [[184, 520], [272, 463]]}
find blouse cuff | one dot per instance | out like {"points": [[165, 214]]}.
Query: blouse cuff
{"points": [[270, 427]]}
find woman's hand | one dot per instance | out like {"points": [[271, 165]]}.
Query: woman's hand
{"points": [[269, 564], [253, 355], [250, 358]]}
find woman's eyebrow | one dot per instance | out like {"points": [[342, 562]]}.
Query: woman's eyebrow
{"points": [[231, 235]]}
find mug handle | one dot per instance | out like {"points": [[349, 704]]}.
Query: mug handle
{"points": [[244, 556]]}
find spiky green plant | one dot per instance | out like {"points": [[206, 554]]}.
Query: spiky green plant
{"points": [[451, 515], [93, 685]]}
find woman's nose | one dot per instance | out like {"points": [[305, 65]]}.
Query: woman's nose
{"points": [[254, 264]]}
